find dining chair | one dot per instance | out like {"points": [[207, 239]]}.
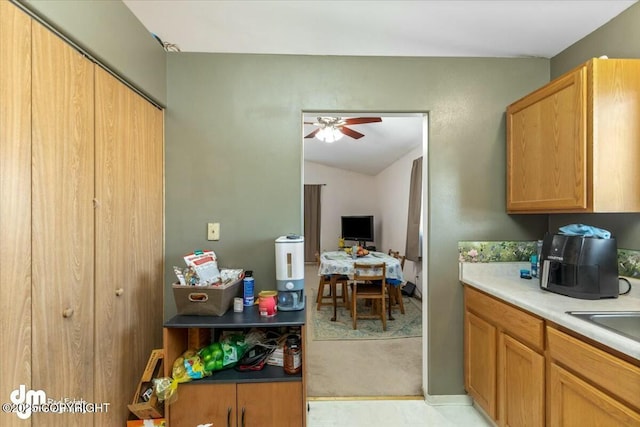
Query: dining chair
{"points": [[393, 253], [394, 286], [325, 280], [368, 283]]}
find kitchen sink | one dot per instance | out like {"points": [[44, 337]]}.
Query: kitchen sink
{"points": [[625, 323]]}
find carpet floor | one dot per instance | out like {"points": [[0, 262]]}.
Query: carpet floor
{"points": [[359, 367], [403, 326]]}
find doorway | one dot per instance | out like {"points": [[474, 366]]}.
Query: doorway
{"points": [[366, 176]]}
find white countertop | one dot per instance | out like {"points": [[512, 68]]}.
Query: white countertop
{"points": [[502, 280]]}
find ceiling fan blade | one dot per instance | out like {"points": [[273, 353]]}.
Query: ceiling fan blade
{"points": [[350, 132], [360, 120], [312, 134]]}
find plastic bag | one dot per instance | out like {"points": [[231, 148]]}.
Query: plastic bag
{"points": [[224, 354], [205, 265], [189, 366]]}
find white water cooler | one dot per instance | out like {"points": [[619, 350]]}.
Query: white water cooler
{"points": [[290, 272]]}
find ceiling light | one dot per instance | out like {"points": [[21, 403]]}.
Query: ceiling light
{"points": [[329, 134]]}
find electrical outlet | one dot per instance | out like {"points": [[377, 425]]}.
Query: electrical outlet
{"points": [[213, 231]]}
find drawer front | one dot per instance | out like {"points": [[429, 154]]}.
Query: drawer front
{"points": [[515, 322], [608, 372]]}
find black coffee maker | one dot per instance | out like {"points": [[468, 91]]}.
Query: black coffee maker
{"points": [[579, 267]]}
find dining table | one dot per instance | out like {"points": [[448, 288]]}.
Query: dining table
{"points": [[340, 263]]}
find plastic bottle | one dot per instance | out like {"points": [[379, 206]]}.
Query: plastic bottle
{"points": [[539, 253], [292, 355], [534, 265]]}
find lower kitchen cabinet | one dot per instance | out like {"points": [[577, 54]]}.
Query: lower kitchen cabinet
{"points": [[480, 362], [589, 386], [268, 404], [523, 370], [504, 365], [573, 402], [202, 404], [520, 384]]}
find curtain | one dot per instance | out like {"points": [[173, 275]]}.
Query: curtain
{"points": [[311, 221], [413, 250]]}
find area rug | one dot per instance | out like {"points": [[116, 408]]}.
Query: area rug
{"points": [[404, 326]]}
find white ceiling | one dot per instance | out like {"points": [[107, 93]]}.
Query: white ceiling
{"points": [[460, 28], [382, 144]]}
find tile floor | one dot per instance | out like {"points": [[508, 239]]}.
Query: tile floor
{"points": [[391, 413]]}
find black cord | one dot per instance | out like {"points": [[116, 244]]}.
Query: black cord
{"points": [[628, 283]]}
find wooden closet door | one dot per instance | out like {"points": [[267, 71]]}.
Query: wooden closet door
{"points": [[15, 204], [62, 225], [129, 241]]}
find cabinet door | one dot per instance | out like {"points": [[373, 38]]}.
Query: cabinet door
{"points": [[15, 204], [62, 225], [520, 384], [274, 404], [204, 404], [129, 244], [573, 402], [547, 148], [480, 362]]}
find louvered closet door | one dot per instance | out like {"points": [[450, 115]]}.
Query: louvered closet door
{"points": [[129, 241], [15, 205], [62, 225]]}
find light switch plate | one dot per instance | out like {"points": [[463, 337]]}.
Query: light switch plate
{"points": [[213, 231]]}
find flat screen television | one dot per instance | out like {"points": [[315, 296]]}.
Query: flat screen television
{"points": [[358, 228]]}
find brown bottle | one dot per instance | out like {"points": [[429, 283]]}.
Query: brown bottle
{"points": [[292, 358]]}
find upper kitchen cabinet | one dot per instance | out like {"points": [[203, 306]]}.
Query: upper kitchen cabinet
{"points": [[574, 144]]}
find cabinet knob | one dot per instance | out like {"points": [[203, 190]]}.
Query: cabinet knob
{"points": [[67, 312], [119, 292]]}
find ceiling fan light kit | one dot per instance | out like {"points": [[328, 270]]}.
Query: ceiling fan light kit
{"points": [[329, 134], [331, 129]]}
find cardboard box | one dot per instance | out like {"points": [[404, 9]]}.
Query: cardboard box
{"points": [[145, 405], [206, 300], [151, 422]]}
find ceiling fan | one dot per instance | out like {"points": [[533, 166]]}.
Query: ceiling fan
{"points": [[332, 128]]}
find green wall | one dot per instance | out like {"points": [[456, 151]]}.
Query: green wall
{"points": [[234, 145], [234, 156], [113, 35], [619, 38]]}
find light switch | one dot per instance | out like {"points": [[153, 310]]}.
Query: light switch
{"points": [[213, 231]]}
